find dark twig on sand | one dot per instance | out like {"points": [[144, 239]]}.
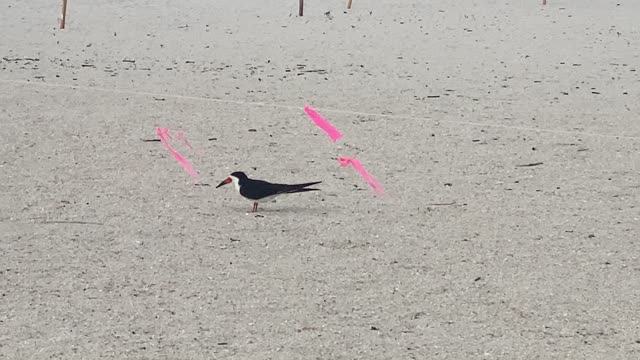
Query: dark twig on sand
{"points": [[529, 165], [442, 204], [70, 222]]}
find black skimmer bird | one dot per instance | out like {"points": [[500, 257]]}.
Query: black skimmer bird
{"points": [[261, 191]]}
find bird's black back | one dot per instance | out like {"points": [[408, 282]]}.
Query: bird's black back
{"points": [[258, 189]]}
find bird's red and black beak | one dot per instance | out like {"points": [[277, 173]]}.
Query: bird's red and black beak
{"points": [[224, 182]]}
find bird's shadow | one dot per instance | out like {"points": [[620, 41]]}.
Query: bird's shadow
{"points": [[266, 210]]}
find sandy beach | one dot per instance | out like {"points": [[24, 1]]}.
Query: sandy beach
{"points": [[506, 135]]}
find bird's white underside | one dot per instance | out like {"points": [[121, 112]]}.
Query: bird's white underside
{"points": [[267, 199]]}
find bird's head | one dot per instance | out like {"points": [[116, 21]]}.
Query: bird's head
{"points": [[234, 178]]}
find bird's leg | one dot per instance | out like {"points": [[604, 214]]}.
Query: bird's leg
{"points": [[255, 207]]}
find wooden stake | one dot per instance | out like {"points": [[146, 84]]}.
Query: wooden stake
{"points": [[64, 14], [301, 8], [349, 4]]}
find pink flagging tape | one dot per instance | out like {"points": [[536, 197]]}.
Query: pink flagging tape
{"points": [[163, 134], [345, 161], [180, 135], [323, 124]]}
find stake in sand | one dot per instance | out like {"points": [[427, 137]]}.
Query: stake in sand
{"points": [[63, 18]]}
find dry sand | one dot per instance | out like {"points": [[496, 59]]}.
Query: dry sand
{"points": [[108, 250]]}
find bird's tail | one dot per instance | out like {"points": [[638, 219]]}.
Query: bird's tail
{"points": [[301, 190], [302, 187]]}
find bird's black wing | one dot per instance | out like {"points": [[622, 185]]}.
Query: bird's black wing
{"points": [[258, 189]]}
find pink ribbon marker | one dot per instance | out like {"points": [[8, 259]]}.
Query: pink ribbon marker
{"points": [[180, 135], [163, 134], [323, 124], [345, 161]]}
